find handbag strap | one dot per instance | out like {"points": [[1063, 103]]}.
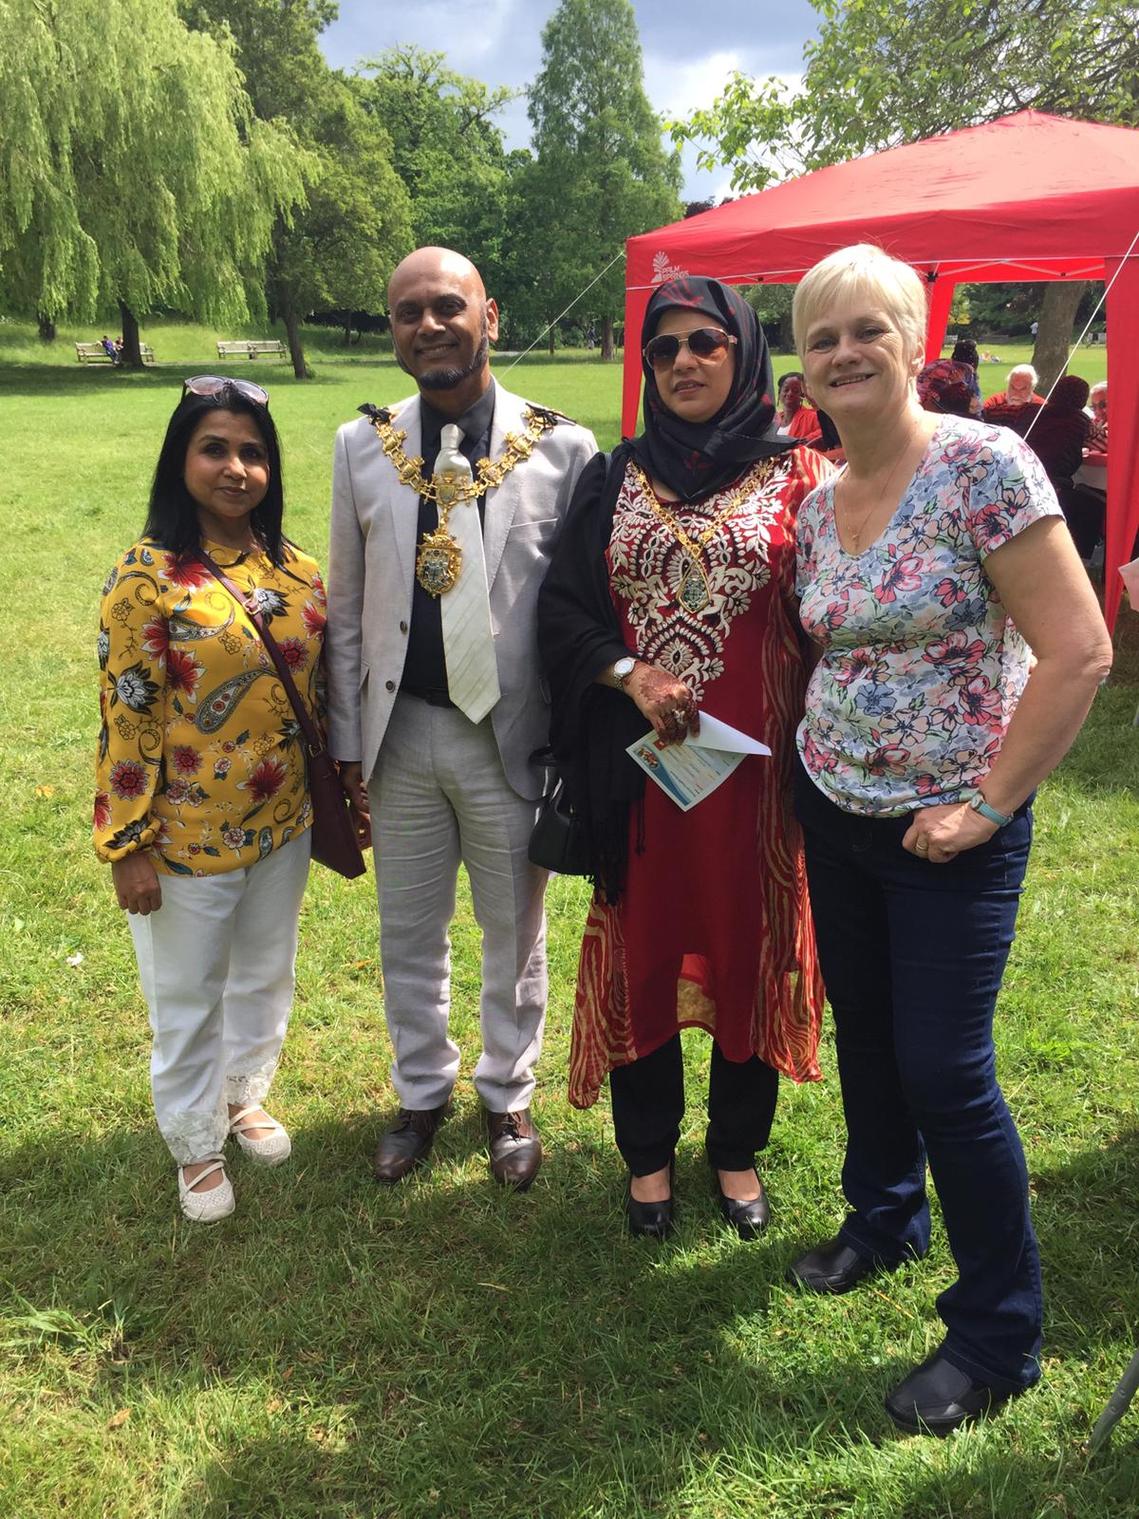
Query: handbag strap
{"points": [[307, 726]]}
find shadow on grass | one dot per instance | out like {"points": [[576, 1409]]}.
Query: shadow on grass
{"points": [[444, 1347], [1087, 1218], [445, 1334]]}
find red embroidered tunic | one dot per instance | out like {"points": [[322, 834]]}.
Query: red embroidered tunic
{"points": [[713, 928]]}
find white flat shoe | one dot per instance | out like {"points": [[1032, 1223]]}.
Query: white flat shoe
{"points": [[271, 1150], [216, 1202]]}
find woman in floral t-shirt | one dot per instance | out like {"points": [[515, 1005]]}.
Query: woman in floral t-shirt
{"points": [[201, 803], [926, 570]]}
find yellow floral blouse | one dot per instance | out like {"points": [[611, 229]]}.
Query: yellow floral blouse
{"points": [[200, 758]]}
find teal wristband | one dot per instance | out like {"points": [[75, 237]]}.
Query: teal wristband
{"points": [[978, 803]]}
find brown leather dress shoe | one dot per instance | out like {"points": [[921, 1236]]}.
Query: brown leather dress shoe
{"points": [[515, 1148], [407, 1143]]}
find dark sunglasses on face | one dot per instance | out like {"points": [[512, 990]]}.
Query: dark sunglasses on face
{"points": [[214, 384], [702, 343]]}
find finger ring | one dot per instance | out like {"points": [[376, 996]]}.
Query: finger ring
{"points": [[922, 846]]}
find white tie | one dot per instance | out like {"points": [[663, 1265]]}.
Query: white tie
{"points": [[468, 645]]}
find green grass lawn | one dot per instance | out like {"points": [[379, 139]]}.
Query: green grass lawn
{"points": [[443, 1349]]}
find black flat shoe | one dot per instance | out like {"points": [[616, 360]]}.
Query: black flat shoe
{"points": [[831, 1267], [653, 1220], [748, 1218], [937, 1398]]}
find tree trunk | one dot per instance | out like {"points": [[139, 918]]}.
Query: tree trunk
{"points": [[132, 353], [1054, 332], [47, 328], [607, 338], [293, 334], [348, 332], [550, 338]]}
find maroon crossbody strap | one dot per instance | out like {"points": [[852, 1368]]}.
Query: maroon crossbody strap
{"points": [[307, 726]]}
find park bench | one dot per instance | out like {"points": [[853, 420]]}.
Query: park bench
{"points": [[254, 349], [95, 353]]}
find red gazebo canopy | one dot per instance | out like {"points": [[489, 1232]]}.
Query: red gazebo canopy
{"points": [[1028, 197]]}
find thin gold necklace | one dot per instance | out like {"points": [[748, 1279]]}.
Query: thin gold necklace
{"points": [[883, 494], [695, 591]]}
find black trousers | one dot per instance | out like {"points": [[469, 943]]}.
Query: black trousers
{"points": [[648, 1105]]}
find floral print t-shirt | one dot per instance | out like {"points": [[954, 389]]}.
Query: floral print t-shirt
{"points": [[921, 667], [201, 761]]}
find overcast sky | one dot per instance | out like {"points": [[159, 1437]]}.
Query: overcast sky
{"points": [[690, 47]]}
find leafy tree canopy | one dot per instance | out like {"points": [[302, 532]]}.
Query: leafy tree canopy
{"points": [[131, 166], [600, 171], [447, 150], [338, 249]]}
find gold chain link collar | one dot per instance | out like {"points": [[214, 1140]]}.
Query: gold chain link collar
{"points": [[487, 473]]}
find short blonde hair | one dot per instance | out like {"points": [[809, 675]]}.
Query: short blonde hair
{"points": [[865, 270]]}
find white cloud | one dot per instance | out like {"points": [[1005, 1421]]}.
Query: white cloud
{"points": [[677, 88]]}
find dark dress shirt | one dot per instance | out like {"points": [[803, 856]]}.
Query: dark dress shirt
{"points": [[425, 669]]}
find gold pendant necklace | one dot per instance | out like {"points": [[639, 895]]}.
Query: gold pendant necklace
{"points": [[856, 532], [438, 560], [694, 593]]}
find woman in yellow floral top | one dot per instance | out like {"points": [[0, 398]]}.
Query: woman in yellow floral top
{"points": [[201, 805]]}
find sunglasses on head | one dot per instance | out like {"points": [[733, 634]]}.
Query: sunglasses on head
{"points": [[214, 384], [702, 343]]}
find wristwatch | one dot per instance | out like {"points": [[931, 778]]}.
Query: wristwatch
{"points": [[978, 803], [623, 669]]}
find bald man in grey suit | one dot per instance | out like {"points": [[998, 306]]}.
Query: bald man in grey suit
{"points": [[440, 788]]}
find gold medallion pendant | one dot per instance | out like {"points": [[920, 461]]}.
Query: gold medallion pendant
{"points": [[694, 593], [438, 562], [440, 559]]}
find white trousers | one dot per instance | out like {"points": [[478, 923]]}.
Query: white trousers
{"points": [[439, 797], [217, 962]]}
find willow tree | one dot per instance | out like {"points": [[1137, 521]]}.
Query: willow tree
{"points": [[132, 170], [336, 251]]}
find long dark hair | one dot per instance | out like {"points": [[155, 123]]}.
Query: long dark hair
{"points": [[172, 518]]}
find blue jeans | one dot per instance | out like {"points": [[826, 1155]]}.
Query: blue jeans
{"points": [[912, 955]]}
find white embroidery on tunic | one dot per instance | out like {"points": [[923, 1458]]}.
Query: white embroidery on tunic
{"points": [[648, 565]]}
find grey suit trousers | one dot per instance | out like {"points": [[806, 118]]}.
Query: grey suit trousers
{"points": [[439, 796]]}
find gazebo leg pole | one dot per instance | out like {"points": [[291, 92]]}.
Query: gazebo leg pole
{"points": [[1117, 1406]]}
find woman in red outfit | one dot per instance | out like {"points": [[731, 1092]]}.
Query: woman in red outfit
{"points": [[794, 418], [672, 590]]}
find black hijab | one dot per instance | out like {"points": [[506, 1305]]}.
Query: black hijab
{"points": [[695, 458]]}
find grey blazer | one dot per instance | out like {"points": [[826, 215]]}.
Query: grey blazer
{"points": [[371, 562]]}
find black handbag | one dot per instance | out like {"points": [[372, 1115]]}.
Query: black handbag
{"points": [[559, 841], [334, 841]]}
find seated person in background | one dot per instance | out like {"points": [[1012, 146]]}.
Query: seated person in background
{"points": [[109, 348], [965, 352], [1057, 438], [949, 387], [1097, 437], [1015, 406], [794, 418]]}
